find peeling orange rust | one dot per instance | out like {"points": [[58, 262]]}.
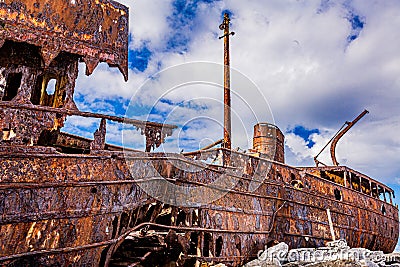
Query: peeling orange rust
{"points": [[67, 200], [94, 30]]}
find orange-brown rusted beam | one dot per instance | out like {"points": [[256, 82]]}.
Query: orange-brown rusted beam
{"points": [[341, 133], [69, 112]]}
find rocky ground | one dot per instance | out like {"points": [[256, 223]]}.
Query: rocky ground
{"points": [[336, 254]]}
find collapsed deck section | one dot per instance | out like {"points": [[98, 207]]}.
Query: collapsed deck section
{"points": [[96, 30], [41, 43]]}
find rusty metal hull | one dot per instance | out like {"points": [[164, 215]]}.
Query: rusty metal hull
{"points": [[71, 201], [77, 209]]}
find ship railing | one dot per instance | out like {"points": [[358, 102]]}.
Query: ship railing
{"points": [[356, 181]]}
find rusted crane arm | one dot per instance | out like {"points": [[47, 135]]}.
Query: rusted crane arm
{"points": [[341, 133]]}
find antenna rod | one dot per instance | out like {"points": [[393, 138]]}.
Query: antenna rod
{"points": [[227, 83]]}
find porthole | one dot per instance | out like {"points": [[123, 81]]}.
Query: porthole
{"points": [[383, 209], [338, 194]]}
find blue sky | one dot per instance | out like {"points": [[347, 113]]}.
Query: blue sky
{"points": [[318, 64]]}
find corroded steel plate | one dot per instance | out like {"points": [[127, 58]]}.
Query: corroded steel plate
{"points": [[95, 29]]}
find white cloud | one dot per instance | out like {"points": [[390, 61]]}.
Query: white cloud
{"points": [[301, 154], [148, 22]]}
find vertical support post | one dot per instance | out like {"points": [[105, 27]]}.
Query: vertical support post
{"points": [[328, 212], [198, 249], [99, 137], [370, 187]]}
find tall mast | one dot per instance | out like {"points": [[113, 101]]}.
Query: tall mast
{"points": [[227, 83]]}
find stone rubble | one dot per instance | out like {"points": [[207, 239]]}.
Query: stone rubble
{"points": [[335, 254]]}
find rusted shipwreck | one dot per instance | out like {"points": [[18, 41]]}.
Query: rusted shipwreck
{"points": [[70, 201]]}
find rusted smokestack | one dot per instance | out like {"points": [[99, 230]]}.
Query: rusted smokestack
{"points": [[269, 140]]}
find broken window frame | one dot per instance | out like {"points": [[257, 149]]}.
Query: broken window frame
{"points": [[388, 196], [381, 193], [207, 245], [12, 78], [219, 245], [374, 190], [40, 96], [365, 186], [355, 182], [338, 194]]}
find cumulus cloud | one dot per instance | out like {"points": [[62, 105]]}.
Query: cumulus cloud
{"points": [[148, 22]]}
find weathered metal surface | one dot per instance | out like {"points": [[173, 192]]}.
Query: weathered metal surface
{"points": [[21, 125], [99, 137], [95, 194], [81, 145], [97, 30], [303, 220], [269, 141], [227, 84], [66, 200]]}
